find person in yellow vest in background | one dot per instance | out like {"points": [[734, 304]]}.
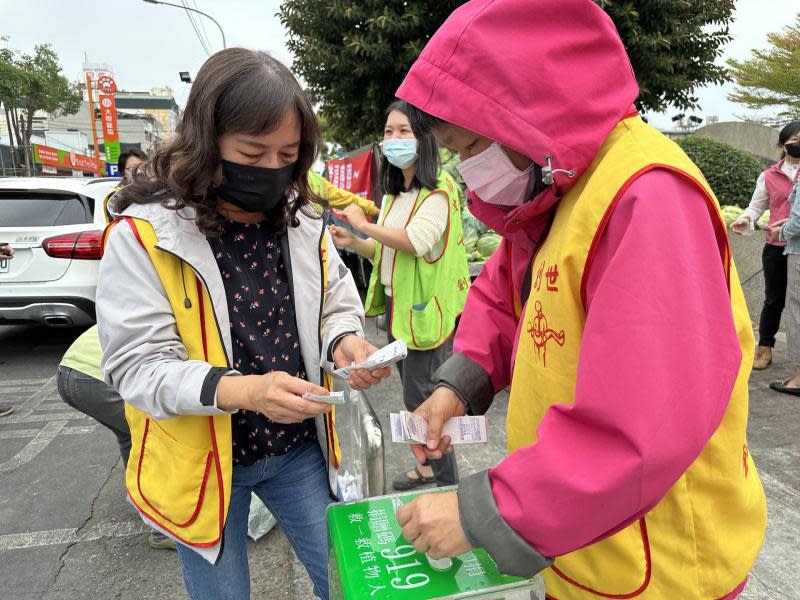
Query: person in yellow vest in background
{"points": [[628, 473], [220, 298], [80, 380], [80, 384], [337, 197], [419, 277]]}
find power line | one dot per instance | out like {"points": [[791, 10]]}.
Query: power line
{"points": [[194, 26], [202, 25]]}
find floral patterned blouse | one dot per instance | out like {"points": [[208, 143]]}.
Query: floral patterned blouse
{"points": [[263, 332]]}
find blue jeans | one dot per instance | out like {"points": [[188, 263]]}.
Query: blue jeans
{"points": [[294, 487]]}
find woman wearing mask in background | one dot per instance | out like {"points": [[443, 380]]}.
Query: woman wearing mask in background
{"points": [[129, 163], [788, 232], [772, 191], [420, 276], [206, 341]]}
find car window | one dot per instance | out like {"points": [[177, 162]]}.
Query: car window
{"points": [[40, 209]]}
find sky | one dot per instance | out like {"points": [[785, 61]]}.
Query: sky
{"points": [[147, 45]]}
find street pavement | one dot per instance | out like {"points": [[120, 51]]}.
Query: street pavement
{"points": [[67, 532]]}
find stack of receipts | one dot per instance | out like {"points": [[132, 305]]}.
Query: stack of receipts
{"points": [[388, 355], [408, 428]]}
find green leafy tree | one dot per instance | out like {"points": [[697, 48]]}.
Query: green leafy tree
{"points": [[771, 77], [672, 46], [31, 83], [11, 79], [353, 55]]}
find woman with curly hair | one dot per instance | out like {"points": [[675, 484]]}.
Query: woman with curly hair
{"points": [[204, 336]]}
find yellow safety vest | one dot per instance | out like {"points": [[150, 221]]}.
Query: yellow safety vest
{"points": [[180, 469], [701, 539], [337, 197]]}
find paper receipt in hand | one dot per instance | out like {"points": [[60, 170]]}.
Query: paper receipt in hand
{"points": [[332, 398], [408, 428], [388, 355]]}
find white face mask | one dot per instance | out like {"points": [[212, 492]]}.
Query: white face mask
{"points": [[494, 178]]}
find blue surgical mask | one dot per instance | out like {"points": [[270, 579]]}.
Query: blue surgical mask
{"points": [[400, 153]]}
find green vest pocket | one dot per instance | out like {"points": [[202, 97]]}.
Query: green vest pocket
{"points": [[426, 323]]}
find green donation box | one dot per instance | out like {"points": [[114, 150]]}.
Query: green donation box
{"points": [[370, 559]]}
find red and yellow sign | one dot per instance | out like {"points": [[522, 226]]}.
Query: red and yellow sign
{"points": [[45, 155], [108, 115]]}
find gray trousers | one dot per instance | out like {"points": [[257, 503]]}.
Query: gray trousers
{"points": [[98, 400], [416, 374], [792, 310]]}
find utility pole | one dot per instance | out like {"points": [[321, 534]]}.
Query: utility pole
{"points": [[90, 95]]}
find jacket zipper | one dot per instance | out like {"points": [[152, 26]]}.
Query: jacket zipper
{"points": [[328, 434]]}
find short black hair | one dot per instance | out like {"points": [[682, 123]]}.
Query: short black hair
{"points": [[123, 159], [427, 160], [788, 132]]}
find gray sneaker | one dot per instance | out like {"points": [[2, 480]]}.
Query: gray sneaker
{"points": [[6, 408]]}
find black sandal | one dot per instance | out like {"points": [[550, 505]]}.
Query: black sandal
{"points": [[403, 482], [780, 386]]}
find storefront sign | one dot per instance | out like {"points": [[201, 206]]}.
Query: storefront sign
{"points": [[52, 157]]}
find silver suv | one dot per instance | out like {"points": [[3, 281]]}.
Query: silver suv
{"points": [[55, 226]]}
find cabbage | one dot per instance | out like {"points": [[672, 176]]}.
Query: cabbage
{"points": [[763, 222], [487, 244], [470, 240], [731, 213], [469, 222]]}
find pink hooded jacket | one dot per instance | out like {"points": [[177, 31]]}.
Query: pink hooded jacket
{"points": [[660, 353]]}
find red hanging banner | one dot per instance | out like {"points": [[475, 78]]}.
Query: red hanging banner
{"points": [[354, 173]]}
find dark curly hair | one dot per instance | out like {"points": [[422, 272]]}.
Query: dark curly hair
{"points": [[235, 91]]}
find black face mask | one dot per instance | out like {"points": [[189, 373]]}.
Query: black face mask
{"points": [[254, 189], [793, 150]]}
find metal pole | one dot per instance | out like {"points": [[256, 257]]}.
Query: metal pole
{"points": [[222, 33], [91, 118]]}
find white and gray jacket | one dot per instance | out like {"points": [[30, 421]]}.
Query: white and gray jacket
{"points": [[143, 355]]}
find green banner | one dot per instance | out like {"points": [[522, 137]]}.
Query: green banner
{"points": [[50, 156], [112, 151]]}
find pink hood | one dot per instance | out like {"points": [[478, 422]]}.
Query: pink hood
{"points": [[544, 78]]}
